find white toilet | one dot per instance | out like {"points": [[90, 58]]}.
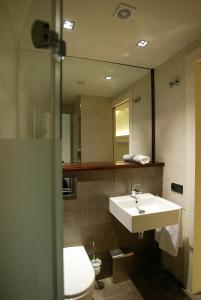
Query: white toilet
{"points": [[79, 276]]}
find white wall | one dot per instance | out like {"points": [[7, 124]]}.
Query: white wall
{"points": [[175, 146], [197, 228], [193, 169], [139, 115]]}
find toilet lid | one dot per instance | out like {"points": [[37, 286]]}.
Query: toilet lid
{"points": [[78, 271]]}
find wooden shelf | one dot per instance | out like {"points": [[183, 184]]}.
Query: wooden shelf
{"points": [[108, 165]]}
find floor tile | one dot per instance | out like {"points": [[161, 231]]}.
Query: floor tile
{"points": [[123, 290], [152, 284]]}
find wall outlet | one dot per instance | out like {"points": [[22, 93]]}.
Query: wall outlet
{"points": [[177, 188]]}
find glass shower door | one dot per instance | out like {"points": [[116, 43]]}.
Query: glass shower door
{"points": [[30, 159]]}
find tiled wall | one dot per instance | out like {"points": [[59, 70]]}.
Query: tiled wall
{"points": [[87, 218]]}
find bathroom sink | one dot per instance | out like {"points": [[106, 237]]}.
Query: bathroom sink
{"points": [[150, 212]]}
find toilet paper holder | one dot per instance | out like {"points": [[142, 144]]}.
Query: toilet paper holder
{"points": [[69, 189], [96, 264]]}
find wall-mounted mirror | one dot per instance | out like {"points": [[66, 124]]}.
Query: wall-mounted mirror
{"points": [[121, 130], [106, 111]]}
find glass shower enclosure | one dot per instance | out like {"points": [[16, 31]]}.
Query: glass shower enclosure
{"points": [[30, 159]]}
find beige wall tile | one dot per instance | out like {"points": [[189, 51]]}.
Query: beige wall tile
{"points": [[87, 218], [96, 129]]}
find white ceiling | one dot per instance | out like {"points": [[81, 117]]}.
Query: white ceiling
{"points": [[93, 74], [169, 26]]}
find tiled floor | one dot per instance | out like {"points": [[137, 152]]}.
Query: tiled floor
{"points": [[152, 284], [119, 291], [156, 283]]}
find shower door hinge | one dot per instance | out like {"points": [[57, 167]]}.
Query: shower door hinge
{"points": [[43, 37]]}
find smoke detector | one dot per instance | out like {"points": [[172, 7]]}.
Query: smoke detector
{"points": [[124, 11]]}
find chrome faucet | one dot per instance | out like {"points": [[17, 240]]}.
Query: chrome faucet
{"points": [[134, 194], [134, 190]]}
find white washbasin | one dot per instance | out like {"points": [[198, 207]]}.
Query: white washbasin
{"points": [[158, 212]]}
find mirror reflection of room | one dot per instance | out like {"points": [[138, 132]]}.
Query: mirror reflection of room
{"points": [[92, 91], [121, 132]]}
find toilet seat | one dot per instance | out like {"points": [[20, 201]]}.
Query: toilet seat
{"points": [[79, 275]]}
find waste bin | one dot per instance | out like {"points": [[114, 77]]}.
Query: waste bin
{"points": [[122, 264]]}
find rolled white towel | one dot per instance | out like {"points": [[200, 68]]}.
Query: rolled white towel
{"points": [[142, 159], [128, 157]]}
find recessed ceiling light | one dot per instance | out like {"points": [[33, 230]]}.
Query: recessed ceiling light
{"points": [[108, 77], [68, 25], [142, 43]]}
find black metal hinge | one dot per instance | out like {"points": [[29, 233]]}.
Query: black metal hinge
{"points": [[43, 37]]}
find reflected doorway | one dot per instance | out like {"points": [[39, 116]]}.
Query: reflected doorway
{"points": [[121, 130]]}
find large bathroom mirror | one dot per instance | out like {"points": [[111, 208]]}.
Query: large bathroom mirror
{"points": [[106, 111]]}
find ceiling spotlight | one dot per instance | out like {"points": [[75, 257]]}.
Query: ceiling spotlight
{"points": [[142, 43], [108, 77], [68, 25]]}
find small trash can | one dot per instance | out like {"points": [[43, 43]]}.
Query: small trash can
{"points": [[122, 264]]}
